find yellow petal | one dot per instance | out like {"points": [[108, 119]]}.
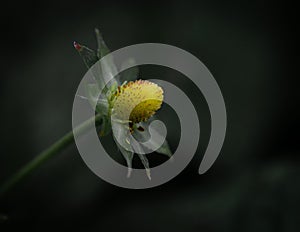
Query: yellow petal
{"points": [[137, 101]]}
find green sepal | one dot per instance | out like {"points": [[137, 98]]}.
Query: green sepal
{"points": [[121, 133], [105, 127], [164, 149], [93, 93], [108, 66], [145, 162], [88, 55], [102, 49]]}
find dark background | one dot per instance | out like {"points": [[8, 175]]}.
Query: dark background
{"points": [[249, 48]]}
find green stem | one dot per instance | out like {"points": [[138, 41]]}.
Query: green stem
{"points": [[54, 149]]}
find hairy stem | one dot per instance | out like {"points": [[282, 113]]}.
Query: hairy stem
{"points": [[54, 149]]}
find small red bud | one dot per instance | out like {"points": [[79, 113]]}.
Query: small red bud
{"points": [[77, 46]]}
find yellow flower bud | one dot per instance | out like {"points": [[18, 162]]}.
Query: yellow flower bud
{"points": [[137, 101]]}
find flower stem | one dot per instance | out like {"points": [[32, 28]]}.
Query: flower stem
{"points": [[54, 149]]}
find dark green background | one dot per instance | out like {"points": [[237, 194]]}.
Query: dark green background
{"points": [[248, 47]]}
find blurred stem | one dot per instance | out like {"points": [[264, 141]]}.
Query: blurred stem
{"points": [[54, 149]]}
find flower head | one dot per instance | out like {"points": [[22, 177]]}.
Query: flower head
{"points": [[137, 101]]}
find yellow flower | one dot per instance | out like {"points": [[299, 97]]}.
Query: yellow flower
{"points": [[137, 101]]}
